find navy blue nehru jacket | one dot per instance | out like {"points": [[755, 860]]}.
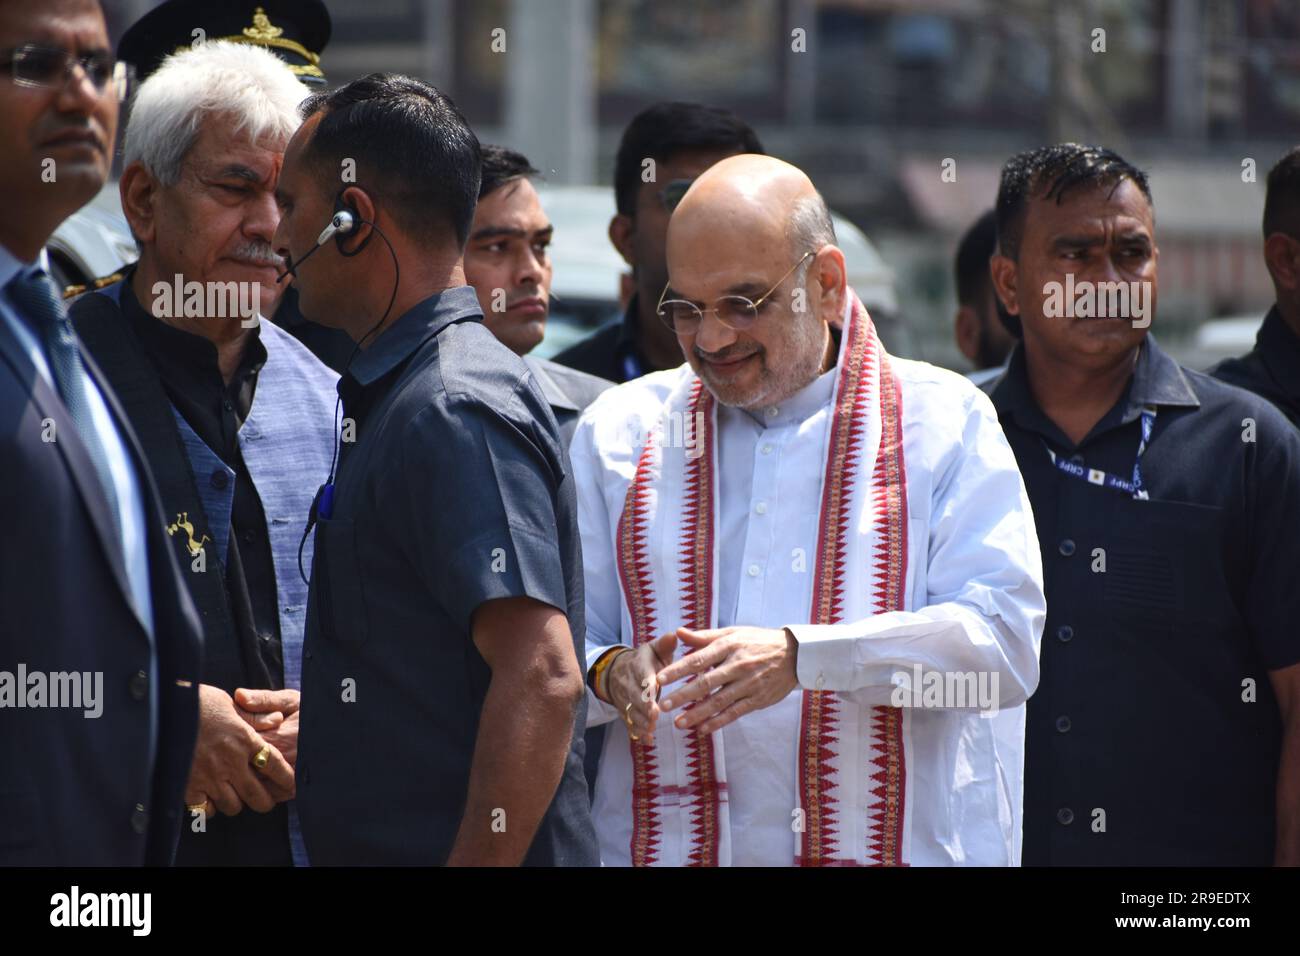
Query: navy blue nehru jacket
{"points": [[455, 491], [1154, 735]]}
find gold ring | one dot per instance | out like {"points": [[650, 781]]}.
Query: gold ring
{"points": [[262, 757], [197, 807]]}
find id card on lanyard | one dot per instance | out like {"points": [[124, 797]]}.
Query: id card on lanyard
{"points": [[1095, 476]]}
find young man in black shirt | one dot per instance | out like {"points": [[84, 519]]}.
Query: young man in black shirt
{"points": [[663, 149], [1272, 367]]}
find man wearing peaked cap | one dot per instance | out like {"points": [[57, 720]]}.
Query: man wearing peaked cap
{"points": [[294, 30]]}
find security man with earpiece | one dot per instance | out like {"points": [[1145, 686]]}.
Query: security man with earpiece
{"points": [[443, 700]]}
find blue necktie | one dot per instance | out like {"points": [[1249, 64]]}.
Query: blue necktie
{"points": [[41, 307]]}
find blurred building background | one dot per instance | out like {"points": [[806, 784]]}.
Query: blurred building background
{"points": [[871, 96]]}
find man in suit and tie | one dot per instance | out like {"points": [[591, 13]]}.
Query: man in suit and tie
{"points": [[90, 596]]}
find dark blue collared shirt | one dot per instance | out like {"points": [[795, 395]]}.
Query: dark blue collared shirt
{"points": [[455, 491], [1154, 735]]}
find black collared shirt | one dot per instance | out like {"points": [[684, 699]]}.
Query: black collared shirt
{"points": [[1271, 368], [610, 352], [187, 365], [456, 491], [1154, 735]]}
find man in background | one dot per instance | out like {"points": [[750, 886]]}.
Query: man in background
{"points": [[981, 335], [663, 150], [508, 264], [1272, 367]]}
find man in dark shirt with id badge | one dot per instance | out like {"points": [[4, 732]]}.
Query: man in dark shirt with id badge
{"points": [[1166, 726]]}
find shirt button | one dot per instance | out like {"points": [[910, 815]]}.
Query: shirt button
{"points": [[1065, 816], [139, 819], [766, 449], [306, 655], [773, 412], [1076, 459], [761, 507], [220, 480], [139, 685], [1067, 547], [753, 570], [1064, 633], [228, 406], [1063, 724]]}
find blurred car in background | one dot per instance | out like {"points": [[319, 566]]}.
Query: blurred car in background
{"points": [[96, 242]]}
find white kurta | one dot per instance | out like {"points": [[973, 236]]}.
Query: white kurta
{"points": [[973, 573]]}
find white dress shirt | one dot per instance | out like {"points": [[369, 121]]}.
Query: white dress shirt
{"points": [[974, 578]]}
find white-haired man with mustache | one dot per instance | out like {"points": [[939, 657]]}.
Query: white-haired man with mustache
{"points": [[235, 417]]}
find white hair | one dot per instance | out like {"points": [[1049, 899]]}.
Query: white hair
{"points": [[237, 80], [810, 226]]}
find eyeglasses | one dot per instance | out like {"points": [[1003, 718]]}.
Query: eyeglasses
{"points": [[673, 192], [39, 66], [734, 311]]}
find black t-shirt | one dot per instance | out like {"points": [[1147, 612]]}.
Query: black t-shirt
{"points": [[456, 491], [1154, 735], [1271, 369]]}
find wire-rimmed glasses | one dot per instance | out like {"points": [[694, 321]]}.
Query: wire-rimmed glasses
{"points": [[734, 311]]}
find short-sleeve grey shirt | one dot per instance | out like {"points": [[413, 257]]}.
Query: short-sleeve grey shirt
{"points": [[455, 491]]}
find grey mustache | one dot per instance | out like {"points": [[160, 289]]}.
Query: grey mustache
{"points": [[260, 253]]}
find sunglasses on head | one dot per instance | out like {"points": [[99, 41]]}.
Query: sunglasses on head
{"points": [[673, 192]]}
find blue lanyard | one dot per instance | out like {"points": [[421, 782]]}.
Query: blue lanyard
{"points": [[1095, 476], [631, 367]]}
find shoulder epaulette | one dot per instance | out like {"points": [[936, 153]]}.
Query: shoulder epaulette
{"points": [[72, 291]]}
